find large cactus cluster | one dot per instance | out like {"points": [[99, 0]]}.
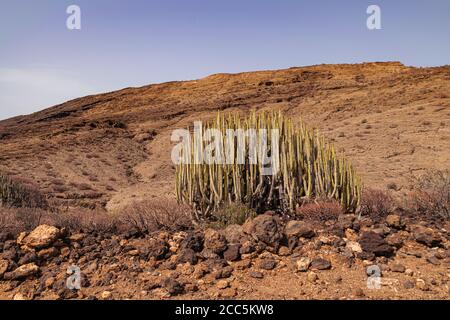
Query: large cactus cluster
{"points": [[15, 194], [304, 167]]}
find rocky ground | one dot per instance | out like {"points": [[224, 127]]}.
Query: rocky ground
{"points": [[266, 258]]}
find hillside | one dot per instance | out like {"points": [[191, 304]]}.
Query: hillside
{"points": [[110, 149]]}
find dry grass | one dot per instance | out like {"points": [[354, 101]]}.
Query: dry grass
{"points": [[235, 213], [159, 214]]}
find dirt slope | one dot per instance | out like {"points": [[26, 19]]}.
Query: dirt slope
{"points": [[106, 150]]}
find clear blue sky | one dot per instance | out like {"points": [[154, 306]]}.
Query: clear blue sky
{"points": [[138, 42]]}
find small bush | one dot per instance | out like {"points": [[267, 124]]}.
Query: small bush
{"points": [[376, 204], [431, 194], [16, 220], [159, 214], [321, 211]]}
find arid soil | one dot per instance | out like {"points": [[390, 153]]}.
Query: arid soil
{"points": [[111, 149], [263, 259]]}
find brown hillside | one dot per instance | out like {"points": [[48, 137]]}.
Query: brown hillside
{"points": [[392, 121]]}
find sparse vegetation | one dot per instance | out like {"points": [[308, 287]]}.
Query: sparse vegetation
{"points": [[14, 193], [431, 194], [234, 213], [377, 204], [320, 211]]}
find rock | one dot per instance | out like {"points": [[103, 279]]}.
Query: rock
{"points": [[354, 246], [78, 237], [247, 248], [312, 277], [409, 272], [372, 242], [396, 240], [153, 247], [345, 221], [284, 251], [264, 228], [303, 264], [256, 274], [422, 285], [320, 264], [267, 264], [19, 297], [215, 241], [187, 255], [427, 237], [22, 272], [41, 237], [224, 273], [394, 221], [4, 264], [433, 260], [106, 295], [299, 229], [242, 265], [351, 235], [222, 284], [194, 242], [234, 234], [232, 253], [397, 267], [48, 253], [173, 286], [408, 284]]}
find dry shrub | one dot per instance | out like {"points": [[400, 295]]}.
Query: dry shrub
{"points": [[16, 220], [431, 194], [158, 214], [84, 220], [234, 213], [377, 204], [321, 211]]}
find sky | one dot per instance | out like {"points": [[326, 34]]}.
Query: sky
{"points": [[128, 43]]}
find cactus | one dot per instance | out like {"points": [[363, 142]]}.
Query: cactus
{"points": [[308, 167], [15, 194]]}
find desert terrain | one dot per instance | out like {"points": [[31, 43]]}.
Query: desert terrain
{"points": [[108, 151]]}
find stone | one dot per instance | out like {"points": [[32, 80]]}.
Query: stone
{"points": [[427, 237], [312, 277], [354, 246], [374, 243], [21, 272], [284, 251], [78, 237], [299, 229], [232, 253], [48, 253], [106, 295], [359, 293], [351, 235], [256, 274], [222, 284], [41, 237], [396, 240], [194, 241], [433, 260], [422, 285], [234, 234], [4, 264], [409, 284], [320, 264], [187, 255], [267, 264], [345, 221], [264, 228], [397, 267], [303, 264], [394, 221], [19, 297], [223, 273], [29, 257], [243, 264], [215, 241], [409, 272], [173, 286]]}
